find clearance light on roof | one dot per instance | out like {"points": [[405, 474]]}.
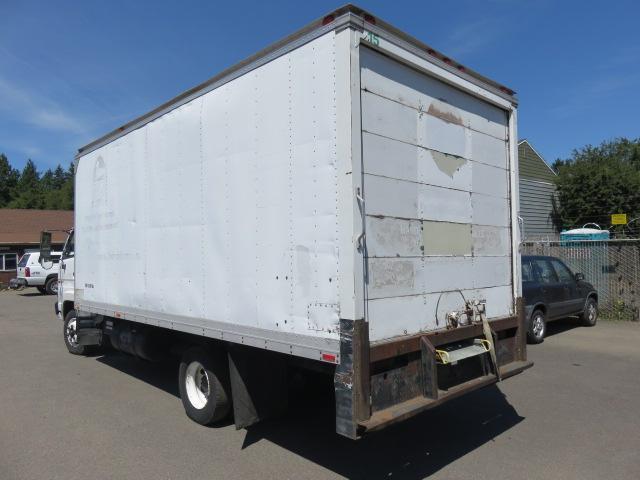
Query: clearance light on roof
{"points": [[506, 90], [328, 19]]}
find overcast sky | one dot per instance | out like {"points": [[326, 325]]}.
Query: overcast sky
{"points": [[71, 71]]}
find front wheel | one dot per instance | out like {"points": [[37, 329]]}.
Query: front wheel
{"points": [[537, 327], [71, 334], [203, 386], [42, 290], [590, 314]]}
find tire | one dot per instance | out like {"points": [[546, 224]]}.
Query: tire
{"points": [[204, 386], [537, 327], [51, 286], [42, 290], [590, 314], [70, 339]]}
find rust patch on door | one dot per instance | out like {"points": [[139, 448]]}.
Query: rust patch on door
{"points": [[447, 164], [442, 112]]}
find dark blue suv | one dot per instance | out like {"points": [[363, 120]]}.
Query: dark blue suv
{"points": [[551, 291]]}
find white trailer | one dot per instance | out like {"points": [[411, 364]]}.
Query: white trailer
{"points": [[345, 199]]}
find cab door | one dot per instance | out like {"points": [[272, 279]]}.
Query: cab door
{"points": [[66, 274], [572, 301], [552, 289]]}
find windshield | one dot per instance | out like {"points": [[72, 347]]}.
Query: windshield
{"points": [[24, 260], [68, 247]]}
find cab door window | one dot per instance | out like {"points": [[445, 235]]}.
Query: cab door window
{"points": [[545, 271]]}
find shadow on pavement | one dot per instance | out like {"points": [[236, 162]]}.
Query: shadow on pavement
{"points": [[162, 375], [413, 449], [561, 326]]}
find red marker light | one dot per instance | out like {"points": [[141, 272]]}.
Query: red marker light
{"points": [[329, 357], [369, 18], [446, 60], [461, 68], [328, 19]]}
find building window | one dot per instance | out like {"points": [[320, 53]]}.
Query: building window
{"points": [[8, 262]]}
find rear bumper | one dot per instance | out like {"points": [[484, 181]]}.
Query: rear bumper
{"points": [[385, 383], [414, 406]]}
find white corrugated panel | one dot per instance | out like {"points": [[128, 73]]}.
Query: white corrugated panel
{"points": [[224, 209]]}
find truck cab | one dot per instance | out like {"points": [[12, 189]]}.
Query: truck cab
{"points": [[64, 303]]}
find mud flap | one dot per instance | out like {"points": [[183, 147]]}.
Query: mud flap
{"points": [[351, 378], [88, 329], [258, 384]]}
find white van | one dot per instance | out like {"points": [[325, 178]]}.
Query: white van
{"points": [[32, 274]]}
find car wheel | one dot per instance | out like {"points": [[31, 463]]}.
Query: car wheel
{"points": [[590, 314], [51, 286], [537, 327], [70, 335], [42, 290], [203, 386]]}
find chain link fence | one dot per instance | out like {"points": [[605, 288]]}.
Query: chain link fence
{"points": [[612, 266]]}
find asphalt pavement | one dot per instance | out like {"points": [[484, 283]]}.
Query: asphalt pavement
{"points": [[574, 415]]}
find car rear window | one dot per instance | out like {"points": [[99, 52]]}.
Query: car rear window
{"points": [[527, 272], [24, 260]]}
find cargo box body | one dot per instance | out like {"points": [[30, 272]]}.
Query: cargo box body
{"points": [[347, 174]]}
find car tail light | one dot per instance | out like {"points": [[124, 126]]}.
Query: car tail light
{"points": [[27, 272]]}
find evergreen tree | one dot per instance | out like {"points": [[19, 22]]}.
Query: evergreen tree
{"points": [[28, 192], [8, 180]]}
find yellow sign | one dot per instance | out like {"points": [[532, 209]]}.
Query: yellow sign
{"points": [[619, 219]]}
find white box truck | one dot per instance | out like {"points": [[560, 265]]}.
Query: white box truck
{"points": [[345, 201]]}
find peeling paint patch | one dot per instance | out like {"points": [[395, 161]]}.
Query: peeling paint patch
{"points": [[444, 112], [444, 238], [447, 164], [393, 237], [392, 273]]}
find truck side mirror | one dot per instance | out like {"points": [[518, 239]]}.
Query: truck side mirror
{"points": [[579, 276], [45, 249]]}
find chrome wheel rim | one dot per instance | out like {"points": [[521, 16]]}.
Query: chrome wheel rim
{"points": [[592, 312], [197, 385], [54, 287], [71, 333], [538, 326]]}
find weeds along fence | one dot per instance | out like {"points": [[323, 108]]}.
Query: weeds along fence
{"points": [[612, 266]]}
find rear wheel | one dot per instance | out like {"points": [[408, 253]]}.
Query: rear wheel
{"points": [[51, 285], [590, 314], [537, 327], [203, 387]]}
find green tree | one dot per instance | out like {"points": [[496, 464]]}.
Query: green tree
{"points": [[8, 180], [596, 182], [28, 191]]}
